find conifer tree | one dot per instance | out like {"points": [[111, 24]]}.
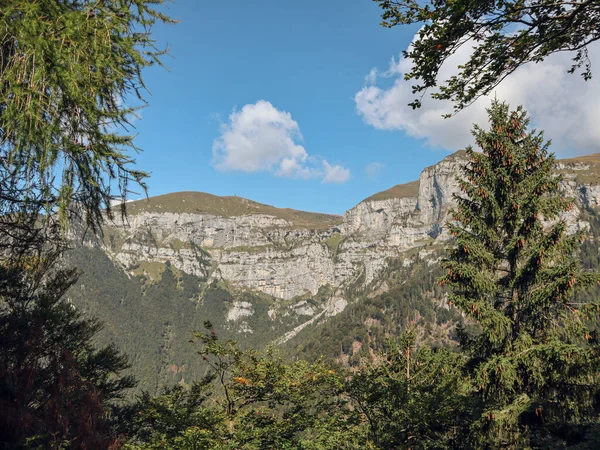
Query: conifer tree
{"points": [[514, 271], [57, 389], [412, 398], [69, 70]]}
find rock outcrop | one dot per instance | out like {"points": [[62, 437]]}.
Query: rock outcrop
{"points": [[289, 254]]}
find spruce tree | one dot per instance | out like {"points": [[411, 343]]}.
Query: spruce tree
{"points": [[534, 364], [57, 389], [412, 398]]}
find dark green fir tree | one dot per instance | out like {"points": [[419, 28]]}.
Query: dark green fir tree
{"points": [[57, 389], [534, 363], [412, 398]]}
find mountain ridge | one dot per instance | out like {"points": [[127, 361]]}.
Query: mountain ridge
{"points": [[233, 205], [287, 253], [265, 274], [227, 206]]}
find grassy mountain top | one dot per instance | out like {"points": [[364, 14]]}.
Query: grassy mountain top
{"points": [[399, 191], [459, 154], [589, 174], [593, 159], [586, 168], [231, 206]]}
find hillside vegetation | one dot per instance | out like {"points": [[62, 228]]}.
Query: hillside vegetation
{"points": [[399, 191], [586, 169], [152, 316], [230, 206]]}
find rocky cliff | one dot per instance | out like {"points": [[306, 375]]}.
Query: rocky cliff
{"points": [[289, 254]]}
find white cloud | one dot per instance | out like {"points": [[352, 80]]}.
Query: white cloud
{"points": [[371, 76], [261, 138], [563, 105], [335, 174], [373, 169]]}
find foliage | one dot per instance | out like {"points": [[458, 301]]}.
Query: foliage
{"points": [[515, 270], [56, 387], [179, 418], [23, 233], [68, 69], [504, 35], [152, 320], [413, 399], [257, 402]]}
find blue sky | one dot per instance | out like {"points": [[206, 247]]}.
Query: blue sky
{"points": [[272, 101]]}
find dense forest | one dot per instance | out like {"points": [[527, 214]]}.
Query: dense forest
{"points": [[494, 346], [148, 316]]}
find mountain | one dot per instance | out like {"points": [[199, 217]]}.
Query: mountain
{"points": [[270, 275]]}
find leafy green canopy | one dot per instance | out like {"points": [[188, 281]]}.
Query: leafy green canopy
{"points": [[256, 401], [504, 35], [66, 69], [535, 363]]}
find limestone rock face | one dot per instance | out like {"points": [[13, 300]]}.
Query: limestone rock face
{"points": [[259, 252], [373, 219], [437, 185], [287, 254], [580, 179]]}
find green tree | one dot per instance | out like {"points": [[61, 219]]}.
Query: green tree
{"points": [[57, 390], [257, 401], [179, 419], [504, 34], [68, 70], [273, 404], [412, 398], [534, 363]]}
